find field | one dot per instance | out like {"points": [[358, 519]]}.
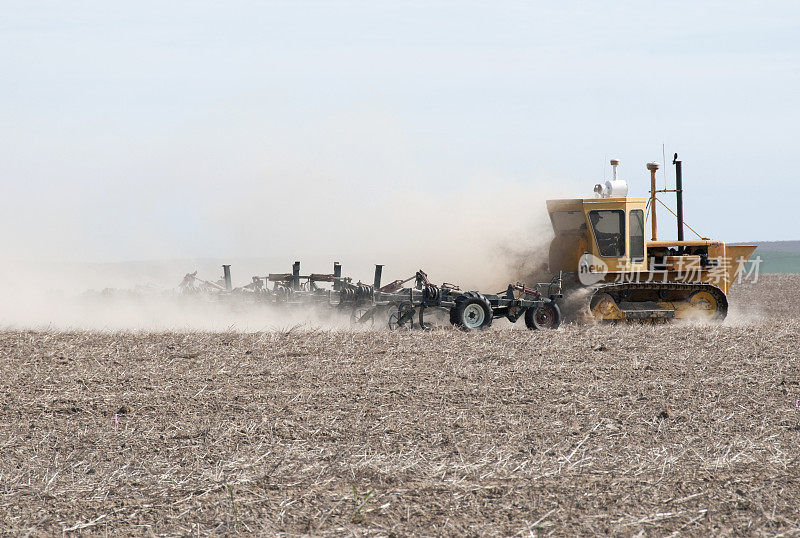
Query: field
{"points": [[589, 429]]}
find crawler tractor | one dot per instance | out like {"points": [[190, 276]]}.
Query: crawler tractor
{"points": [[600, 247]]}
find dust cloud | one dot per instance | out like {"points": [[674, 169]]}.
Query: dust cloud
{"points": [[482, 237], [350, 191]]}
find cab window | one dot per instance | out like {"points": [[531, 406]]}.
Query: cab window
{"points": [[636, 235], [608, 226]]}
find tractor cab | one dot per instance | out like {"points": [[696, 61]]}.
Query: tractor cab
{"points": [[605, 235], [610, 229]]}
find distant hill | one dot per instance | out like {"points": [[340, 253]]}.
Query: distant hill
{"points": [[778, 246], [777, 256]]}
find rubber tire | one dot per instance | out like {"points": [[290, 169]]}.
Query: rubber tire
{"points": [[532, 323], [471, 297], [464, 297]]}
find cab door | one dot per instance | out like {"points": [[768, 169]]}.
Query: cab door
{"points": [[608, 229], [637, 256]]}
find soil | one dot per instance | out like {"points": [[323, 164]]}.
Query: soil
{"points": [[686, 429]]}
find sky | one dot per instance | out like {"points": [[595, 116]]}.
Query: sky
{"points": [[166, 130]]}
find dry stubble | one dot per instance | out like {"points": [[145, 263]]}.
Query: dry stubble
{"points": [[685, 429]]}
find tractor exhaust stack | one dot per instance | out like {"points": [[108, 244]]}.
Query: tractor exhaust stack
{"points": [[679, 194]]}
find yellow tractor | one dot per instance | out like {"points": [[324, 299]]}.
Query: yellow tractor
{"points": [[600, 246]]}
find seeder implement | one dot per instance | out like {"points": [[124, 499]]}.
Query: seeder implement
{"points": [[467, 310], [421, 305]]}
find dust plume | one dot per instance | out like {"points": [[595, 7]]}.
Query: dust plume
{"points": [[468, 241], [346, 194]]}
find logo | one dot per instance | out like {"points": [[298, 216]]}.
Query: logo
{"points": [[591, 269]]}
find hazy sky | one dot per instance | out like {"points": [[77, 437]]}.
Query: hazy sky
{"points": [[146, 130]]}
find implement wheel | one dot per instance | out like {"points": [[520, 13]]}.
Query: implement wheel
{"points": [[472, 311], [547, 316]]}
